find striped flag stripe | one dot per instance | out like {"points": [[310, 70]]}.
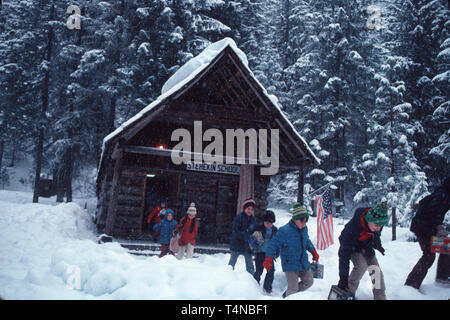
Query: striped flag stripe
{"points": [[324, 221]]}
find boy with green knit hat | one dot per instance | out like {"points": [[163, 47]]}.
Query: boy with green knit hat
{"points": [[292, 243], [361, 235], [299, 212]]}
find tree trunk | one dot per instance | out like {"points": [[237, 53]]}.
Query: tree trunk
{"points": [[2, 149], [13, 156], [68, 173], [394, 224], [391, 142], [3, 129], [287, 28], [45, 94], [112, 115], [60, 182]]}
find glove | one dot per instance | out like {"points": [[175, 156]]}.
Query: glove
{"points": [[267, 264], [343, 284], [315, 256]]}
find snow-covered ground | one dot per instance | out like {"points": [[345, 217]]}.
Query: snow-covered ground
{"points": [[49, 251]]}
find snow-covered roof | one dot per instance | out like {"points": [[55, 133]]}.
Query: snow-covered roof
{"points": [[187, 73], [183, 75], [198, 63]]}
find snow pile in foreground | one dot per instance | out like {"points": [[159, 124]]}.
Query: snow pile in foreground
{"points": [[43, 250], [50, 252]]}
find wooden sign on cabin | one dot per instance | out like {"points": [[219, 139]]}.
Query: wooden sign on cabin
{"points": [[139, 164], [213, 168]]}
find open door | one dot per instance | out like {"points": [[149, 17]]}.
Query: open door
{"points": [[158, 187]]}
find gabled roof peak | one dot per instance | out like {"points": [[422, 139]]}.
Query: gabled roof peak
{"points": [[198, 63]]}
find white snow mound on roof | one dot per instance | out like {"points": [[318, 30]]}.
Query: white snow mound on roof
{"points": [[199, 62]]}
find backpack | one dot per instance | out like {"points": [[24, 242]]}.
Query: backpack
{"points": [[184, 223]]}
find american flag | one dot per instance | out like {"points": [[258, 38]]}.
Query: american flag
{"points": [[324, 220]]}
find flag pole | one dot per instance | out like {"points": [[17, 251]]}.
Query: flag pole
{"points": [[311, 193]]}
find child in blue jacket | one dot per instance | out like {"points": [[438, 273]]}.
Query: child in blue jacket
{"points": [[292, 241], [167, 227]]}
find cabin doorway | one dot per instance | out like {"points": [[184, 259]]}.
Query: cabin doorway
{"points": [[158, 187]]}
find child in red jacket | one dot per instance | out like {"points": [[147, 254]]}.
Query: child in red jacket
{"points": [[155, 217], [187, 229]]}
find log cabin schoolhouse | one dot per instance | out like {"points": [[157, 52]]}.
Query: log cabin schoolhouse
{"points": [[136, 169]]}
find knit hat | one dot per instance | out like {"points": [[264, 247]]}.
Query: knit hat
{"points": [[192, 209], [163, 200], [170, 211], [269, 216], [378, 214], [248, 203], [299, 212]]}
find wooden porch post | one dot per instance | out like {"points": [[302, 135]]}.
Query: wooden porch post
{"points": [[112, 210], [246, 185], [301, 183]]}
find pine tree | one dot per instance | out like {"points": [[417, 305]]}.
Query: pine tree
{"points": [[419, 27], [21, 66], [441, 115], [389, 166]]}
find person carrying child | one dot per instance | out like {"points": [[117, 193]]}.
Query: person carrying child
{"points": [[155, 216], [240, 236]]}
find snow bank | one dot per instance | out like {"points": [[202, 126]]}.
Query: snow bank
{"points": [[50, 252]]}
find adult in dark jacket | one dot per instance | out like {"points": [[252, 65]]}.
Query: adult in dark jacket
{"points": [[240, 235], [268, 231], [428, 222], [292, 242], [361, 235]]}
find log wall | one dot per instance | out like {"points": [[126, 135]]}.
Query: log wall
{"points": [[215, 196]]}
